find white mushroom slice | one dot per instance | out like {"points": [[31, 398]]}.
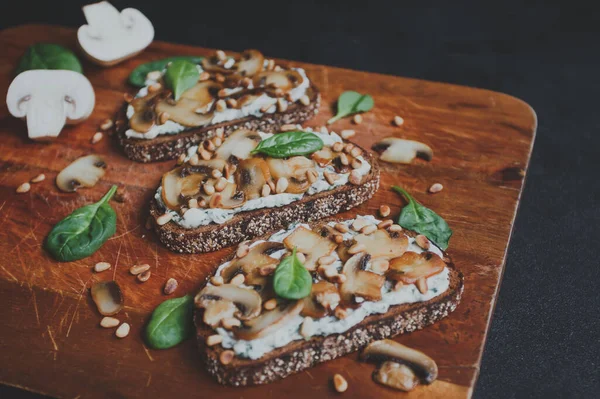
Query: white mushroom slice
{"points": [[383, 244], [323, 298], [360, 282], [185, 181], [395, 150], [239, 144], [107, 297], [268, 322], [386, 349], [83, 172], [397, 376], [284, 80], [251, 175], [311, 244], [49, 99], [229, 198], [216, 311], [250, 63], [414, 268], [184, 112], [111, 36], [295, 170], [254, 264], [247, 301]]}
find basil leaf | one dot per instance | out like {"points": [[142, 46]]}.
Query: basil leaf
{"points": [[48, 56], [291, 279], [423, 220], [180, 76], [170, 323], [288, 144], [139, 75], [351, 102], [84, 231]]}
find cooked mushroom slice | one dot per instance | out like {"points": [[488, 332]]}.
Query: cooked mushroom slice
{"points": [[215, 64], [393, 149], [397, 376], [239, 144], [247, 301], [386, 349], [250, 63], [414, 268], [217, 310], [107, 297], [284, 80], [382, 244], [311, 244], [254, 263], [144, 116], [183, 182], [229, 198], [360, 282], [246, 100], [203, 94], [184, 113], [251, 175], [83, 172], [295, 170], [269, 321], [324, 156], [323, 297]]}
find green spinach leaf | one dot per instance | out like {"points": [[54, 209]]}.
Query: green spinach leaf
{"points": [[170, 323], [423, 220], [288, 144], [84, 231], [48, 56], [180, 76], [138, 76], [351, 102], [291, 279]]}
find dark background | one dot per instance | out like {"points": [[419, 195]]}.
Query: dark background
{"points": [[545, 335]]}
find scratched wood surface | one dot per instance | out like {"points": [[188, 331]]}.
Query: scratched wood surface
{"points": [[50, 339]]}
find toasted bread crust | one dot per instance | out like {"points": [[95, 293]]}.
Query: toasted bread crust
{"points": [[251, 224], [165, 147], [300, 355]]}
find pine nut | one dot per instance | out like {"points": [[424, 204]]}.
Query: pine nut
{"points": [[231, 103], [301, 257], [39, 178], [342, 228], [154, 87], [123, 330], [356, 248], [422, 241], [330, 177], [312, 176], [219, 77], [205, 155], [277, 68], [230, 322], [340, 383], [398, 120], [385, 224], [323, 130], [357, 119], [145, 276], [270, 304], [170, 286], [107, 124], [137, 269], [355, 178], [194, 160], [270, 65], [338, 238], [23, 188], [204, 76], [242, 250], [340, 313], [395, 228], [436, 188], [380, 265], [308, 327], [246, 82], [344, 159], [217, 280], [358, 224], [326, 260], [213, 340], [337, 147], [101, 266], [226, 356], [371, 228], [384, 211], [164, 219], [348, 147], [356, 163], [220, 55], [282, 185], [193, 203], [222, 93], [265, 191], [271, 185], [221, 105], [282, 105], [209, 145], [97, 137], [154, 75], [109, 322], [356, 152], [181, 159], [346, 134], [221, 184], [338, 279], [287, 128], [238, 279], [209, 189], [217, 141], [304, 100], [127, 97]]}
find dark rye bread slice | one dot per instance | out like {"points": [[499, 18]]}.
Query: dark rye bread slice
{"points": [[170, 146], [303, 354], [251, 224]]}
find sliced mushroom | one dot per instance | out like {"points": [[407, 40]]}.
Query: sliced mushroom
{"points": [[324, 156], [340, 161], [395, 150], [250, 63], [360, 282], [185, 182], [295, 170], [246, 99], [251, 175], [229, 198], [386, 349], [283, 80], [216, 64], [83, 172], [247, 301], [269, 321], [184, 113], [108, 297], [383, 244], [311, 244], [144, 116], [216, 311], [238, 144], [414, 268], [323, 298], [397, 376], [254, 264]]}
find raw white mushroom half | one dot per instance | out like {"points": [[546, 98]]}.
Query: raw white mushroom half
{"points": [[395, 150], [48, 99], [111, 36]]}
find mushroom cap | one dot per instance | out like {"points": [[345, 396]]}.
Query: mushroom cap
{"points": [[269, 321], [396, 150], [83, 172], [247, 300]]}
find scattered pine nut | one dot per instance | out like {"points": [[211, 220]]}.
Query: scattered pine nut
{"points": [[154, 75], [109, 322], [209, 189], [216, 280], [340, 312], [221, 184], [356, 152], [270, 65], [340, 384], [226, 356], [210, 146], [265, 191], [170, 286], [123, 330], [220, 55], [346, 134], [323, 130], [337, 147], [287, 128], [282, 185], [304, 100], [312, 176], [344, 159], [371, 228], [213, 340], [358, 224], [398, 120], [164, 219], [395, 228], [205, 155], [356, 248], [436, 188], [238, 279], [270, 304], [282, 105], [39, 178], [23, 188], [107, 124], [97, 137], [230, 323], [338, 238], [231, 102], [355, 178], [181, 159], [204, 76], [242, 250], [356, 163], [341, 227], [385, 224], [154, 87], [422, 241], [338, 278], [145, 276], [221, 105], [219, 77], [308, 327], [137, 269], [193, 203], [384, 211], [330, 177], [357, 119], [127, 97], [348, 147], [101, 266]]}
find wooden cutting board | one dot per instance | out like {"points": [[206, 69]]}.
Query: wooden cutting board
{"points": [[50, 338]]}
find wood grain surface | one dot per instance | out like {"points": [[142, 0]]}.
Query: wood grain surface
{"points": [[50, 338]]}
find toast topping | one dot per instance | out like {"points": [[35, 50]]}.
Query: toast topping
{"points": [[248, 303], [269, 321]]}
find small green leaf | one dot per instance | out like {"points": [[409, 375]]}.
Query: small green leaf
{"points": [[84, 231], [291, 279], [351, 102], [48, 56], [180, 76], [288, 144], [170, 323], [138, 76], [423, 220]]}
